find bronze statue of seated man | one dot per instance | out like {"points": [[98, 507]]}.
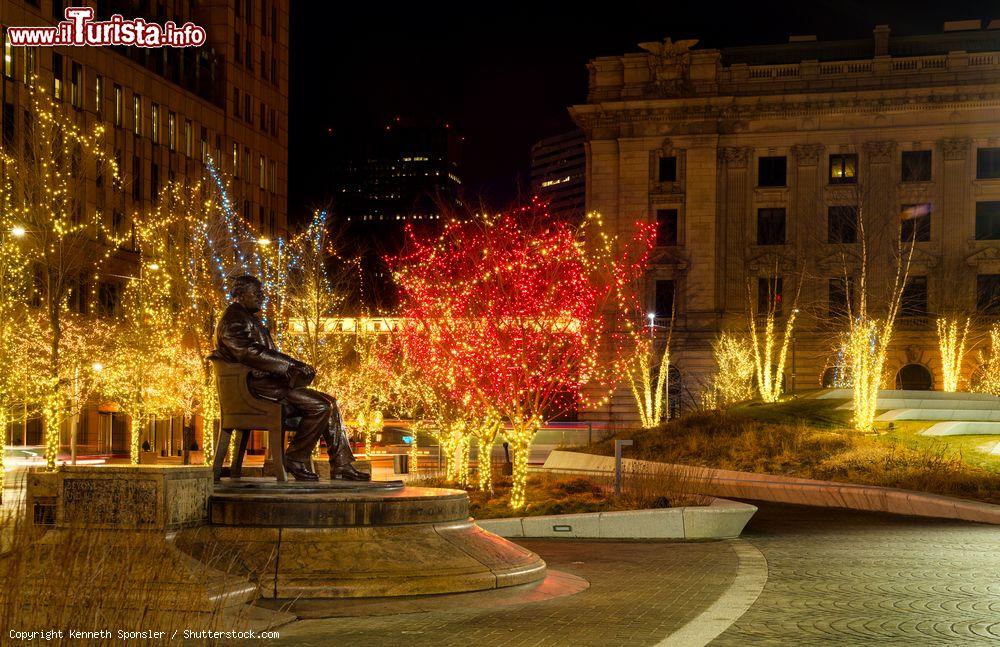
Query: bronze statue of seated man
{"points": [[242, 338]]}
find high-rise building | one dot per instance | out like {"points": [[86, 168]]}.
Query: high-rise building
{"points": [[405, 174], [765, 165], [167, 111], [558, 171]]}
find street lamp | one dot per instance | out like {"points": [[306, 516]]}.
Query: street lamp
{"points": [[652, 323]]}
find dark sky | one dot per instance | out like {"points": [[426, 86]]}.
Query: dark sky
{"points": [[504, 74]]}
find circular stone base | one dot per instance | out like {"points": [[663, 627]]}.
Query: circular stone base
{"points": [[362, 540]]}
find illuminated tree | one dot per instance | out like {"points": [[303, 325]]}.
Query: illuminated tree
{"points": [[57, 186], [987, 379], [769, 352], [509, 313], [735, 369], [647, 378], [952, 333], [16, 326]]}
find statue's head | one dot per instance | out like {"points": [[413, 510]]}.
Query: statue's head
{"points": [[248, 292]]}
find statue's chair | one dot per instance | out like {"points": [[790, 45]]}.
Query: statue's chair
{"points": [[244, 412]]}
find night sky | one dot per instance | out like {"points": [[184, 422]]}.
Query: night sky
{"points": [[503, 75]]}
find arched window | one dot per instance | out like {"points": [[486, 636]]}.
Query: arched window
{"points": [[914, 377]]}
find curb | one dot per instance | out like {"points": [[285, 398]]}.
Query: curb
{"points": [[721, 519], [788, 489]]}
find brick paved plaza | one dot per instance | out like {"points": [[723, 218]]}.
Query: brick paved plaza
{"points": [[834, 577]]}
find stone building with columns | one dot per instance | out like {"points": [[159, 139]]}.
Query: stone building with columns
{"points": [[765, 167]]}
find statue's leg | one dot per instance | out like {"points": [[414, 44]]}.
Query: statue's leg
{"points": [[338, 445], [315, 411]]}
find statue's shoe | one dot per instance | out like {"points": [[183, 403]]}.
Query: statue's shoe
{"points": [[349, 473], [300, 471]]}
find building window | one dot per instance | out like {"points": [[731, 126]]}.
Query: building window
{"points": [[9, 131], [188, 137], [98, 94], [915, 223], [771, 171], [248, 55], [57, 76], [262, 177], [666, 227], [29, 66], [916, 166], [119, 108], [271, 226], [988, 220], [247, 114], [76, 85], [988, 294], [842, 224], [274, 177], [154, 182], [771, 226], [668, 169], [136, 114], [236, 159], [840, 291], [154, 112], [263, 116], [274, 122], [136, 178], [274, 23], [769, 295], [263, 64], [843, 169], [108, 299], [172, 131], [913, 302], [246, 211], [204, 145], [260, 218], [246, 163], [237, 45], [8, 56], [274, 70], [987, 163], [663, 304], [236, 102]]}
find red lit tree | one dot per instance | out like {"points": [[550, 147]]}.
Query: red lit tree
{"points": [[508, 316]]}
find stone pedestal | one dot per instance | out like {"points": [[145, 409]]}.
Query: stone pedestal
{"points": [[347, 540], [146, 497]]}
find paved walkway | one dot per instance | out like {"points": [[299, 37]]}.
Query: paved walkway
{"points": [[834, 577], [852, 578], [639, 593]]}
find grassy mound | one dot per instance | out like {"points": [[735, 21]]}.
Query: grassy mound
{"points": [[811, 439]]}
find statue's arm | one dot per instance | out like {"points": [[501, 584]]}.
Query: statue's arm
{"points": [[236, 336]]}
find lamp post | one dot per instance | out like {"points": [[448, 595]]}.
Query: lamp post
{"points": [[652, 323]]}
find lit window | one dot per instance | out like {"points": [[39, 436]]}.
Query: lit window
{"points": [[155, 113], [136, 114], [99, 94], [57, 76], [29, 65], [171, 131], [236, 159], [274, 178], [8, 56], [118, 106], [843, 169], [261, 172], [188, 138]]}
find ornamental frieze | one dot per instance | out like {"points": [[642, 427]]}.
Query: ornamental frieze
{"points": [[807, 154], [734, 156], [880, 152], [956, 148]]}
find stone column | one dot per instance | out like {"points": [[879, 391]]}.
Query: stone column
{"points": [[954, 221], [734, 224], [806, 224], [878, 199]]}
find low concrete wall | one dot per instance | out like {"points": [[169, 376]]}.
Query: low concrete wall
{"points": [[787, 489], [721, 519]]}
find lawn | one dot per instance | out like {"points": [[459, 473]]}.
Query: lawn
{"points": [[812, 438]]}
